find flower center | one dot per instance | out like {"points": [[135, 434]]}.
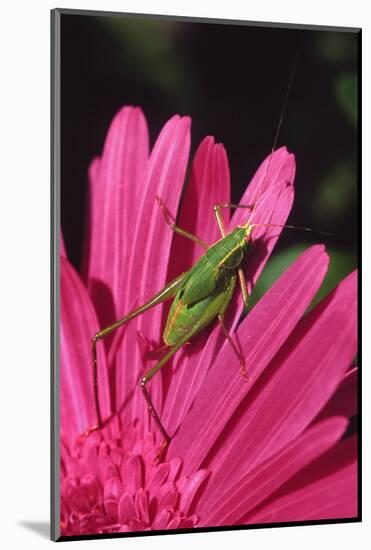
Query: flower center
{"points": [[116, 483]]}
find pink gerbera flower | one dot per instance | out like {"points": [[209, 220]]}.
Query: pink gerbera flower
{"points": [[270, 450]]}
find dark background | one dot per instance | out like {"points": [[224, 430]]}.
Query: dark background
{"points": [[232, 80]]}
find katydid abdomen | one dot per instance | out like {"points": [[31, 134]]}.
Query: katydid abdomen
{"points": [[190, 319]]}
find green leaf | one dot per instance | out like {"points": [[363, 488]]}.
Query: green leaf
{"points": [[346, 95]]}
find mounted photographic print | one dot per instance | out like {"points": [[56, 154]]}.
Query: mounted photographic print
{"points": [[204, 278]]}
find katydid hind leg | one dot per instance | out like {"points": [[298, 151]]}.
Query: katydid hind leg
{"points": [[235, 345], [169, 291], [236, 348], [147, 377], [245, 292]]}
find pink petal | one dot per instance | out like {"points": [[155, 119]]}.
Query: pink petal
{"points": [[168, 496], [344, 400], [159, 476], [82, 495], [288, 398], [116, 455], [92, 204], [278, 166], [261, 334], [175, 467], [190, 489], [209, 184], [111, 509], [91, 454], [313, 503], [325, 343], [91, 489], [275, 203], [327, 490], [141, 506], [126, 509], [174, 523], [75, 498], [162, 519], [255, 486], [112, 489], [149, 443], [64, 514], [107, 469], [276, 171], [62, 248], [148, 262], [115, 184], [78, 325], [132, 474]]}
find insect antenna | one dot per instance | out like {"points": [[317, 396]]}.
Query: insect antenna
{"points": [[298, 227], [293, 68]]}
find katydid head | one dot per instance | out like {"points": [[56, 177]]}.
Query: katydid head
{"points": [[248, 228]]}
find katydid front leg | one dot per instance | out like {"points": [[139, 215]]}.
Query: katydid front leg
{"points": [[178, 229]]}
